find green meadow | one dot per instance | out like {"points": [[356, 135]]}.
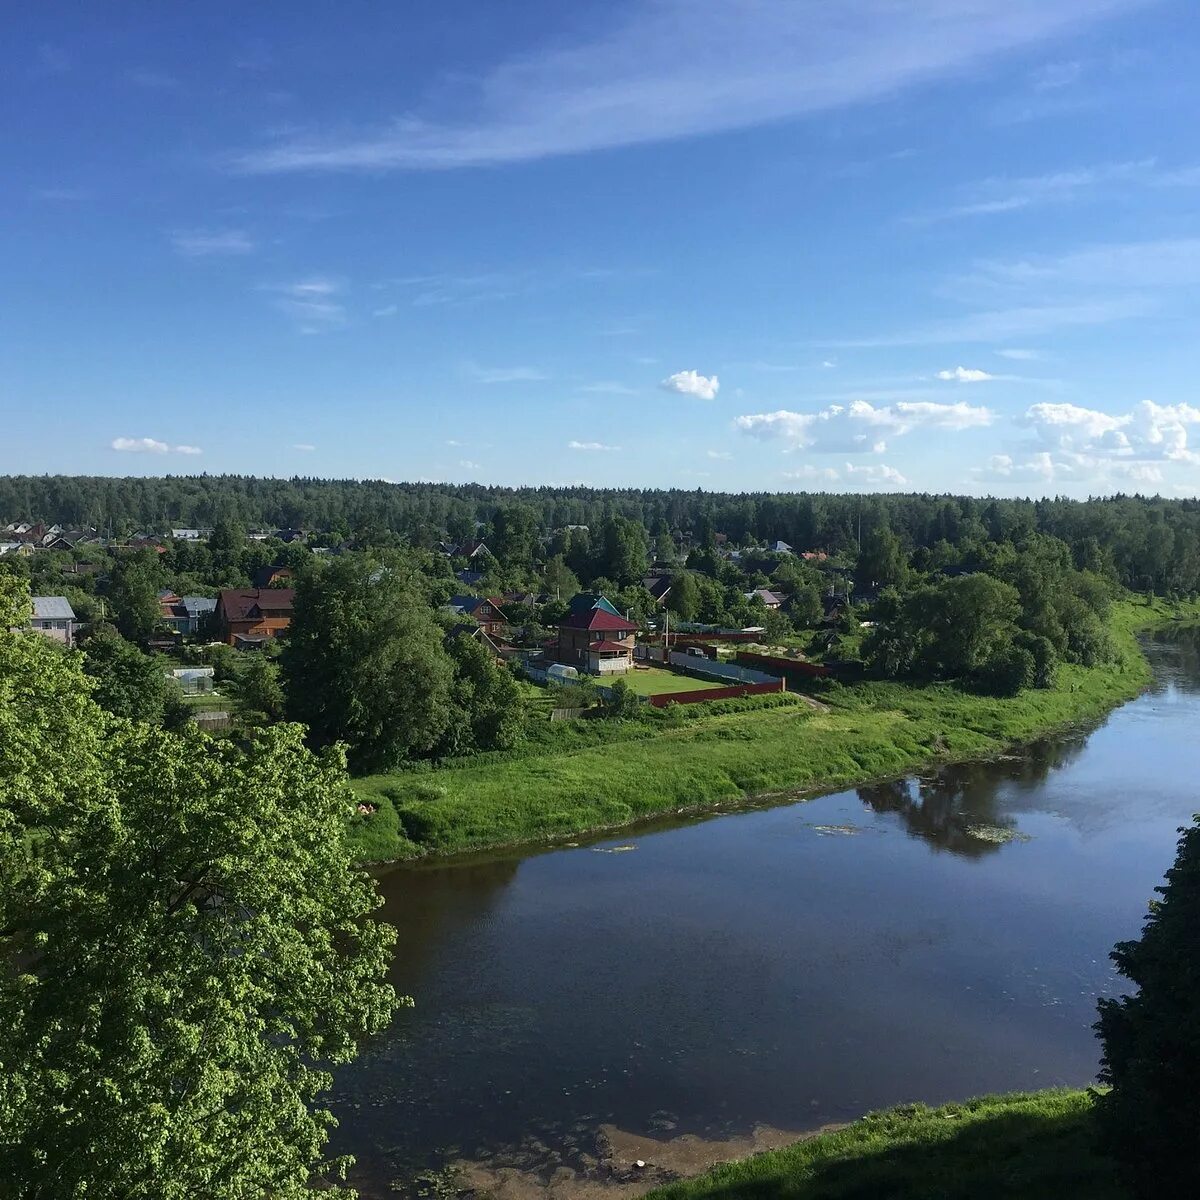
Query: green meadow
{"points": [[599, 775]]}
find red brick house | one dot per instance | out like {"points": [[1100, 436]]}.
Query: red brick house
{"points": [[485, 610], [594, 637], [250, 616]]}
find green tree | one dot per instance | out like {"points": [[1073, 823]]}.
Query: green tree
{"points": [[622, 702], [364, 664], [487, 712], [185, 947], [560, 580], [260, 690], [1149, 1120], [128, 683], [133, 593], [684, 597], [623, 551], [515, 535], [882, 561]]}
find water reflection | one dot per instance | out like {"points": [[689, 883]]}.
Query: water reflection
{"points": [[968, 808]]}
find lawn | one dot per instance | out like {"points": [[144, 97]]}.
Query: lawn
{"points": [[654, 681], [1038, 1146]]}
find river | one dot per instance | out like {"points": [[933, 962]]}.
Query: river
{"points": [[791, 966]]}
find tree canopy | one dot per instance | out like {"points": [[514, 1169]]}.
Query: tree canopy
{"points": [[184, 947]]}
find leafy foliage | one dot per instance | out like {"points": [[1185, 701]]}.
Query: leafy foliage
{"points": [[184, 947], [1151, 1117]]}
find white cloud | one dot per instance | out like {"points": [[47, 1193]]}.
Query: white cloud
{"points": [[721, 454], [692, 383], [311, 302], [453, 442], [609, 388], [146, 445], [590, 446], [811, 474], [876, 473], [140, 445], [306, 447], [1148, 433], [1018, 355], [468, 465], [650, 73], [205, 243], [965, 375], [505, 374], [860, 427], [1166, 263], [388, 310], [1005, 324], [1056, 75], [828, 363]]}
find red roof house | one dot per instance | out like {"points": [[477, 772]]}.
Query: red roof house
{"points": [[596, 640], [251, 616]]}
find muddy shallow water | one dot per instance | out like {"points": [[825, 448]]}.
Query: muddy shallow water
{"points": [[781, 969]]}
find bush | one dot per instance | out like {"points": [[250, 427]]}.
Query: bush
{"points": [[1151, 1118], [1007, 672]]}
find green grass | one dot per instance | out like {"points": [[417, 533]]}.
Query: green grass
{"points": [[1038, 1146], [603, 775], [654, 681]]}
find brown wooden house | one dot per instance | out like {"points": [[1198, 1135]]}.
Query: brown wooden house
{"points": [[250, 616]]}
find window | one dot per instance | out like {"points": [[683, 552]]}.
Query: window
{"points": [[486, 609]]}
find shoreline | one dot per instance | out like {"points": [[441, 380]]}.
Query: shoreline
{"points": [[904, 729]]}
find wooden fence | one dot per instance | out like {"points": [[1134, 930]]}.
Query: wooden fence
{"points": [[709, 694]]}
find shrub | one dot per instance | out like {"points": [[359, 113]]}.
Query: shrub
{"points": [[1151, 1118]]}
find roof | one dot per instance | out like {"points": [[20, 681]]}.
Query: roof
{"points": [[585, 601], [657, 585], [598, 618], [240, 604], [264, 575], [52, 608], [468, 604]]}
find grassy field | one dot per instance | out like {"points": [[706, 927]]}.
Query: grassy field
{"points": [[709, 755], [1038, 1146], [654, 681]]}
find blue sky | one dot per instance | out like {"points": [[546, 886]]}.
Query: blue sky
{"points": [[929, 244]]}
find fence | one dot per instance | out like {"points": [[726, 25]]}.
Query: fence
{"points": [[710, 694], [718, 670], [791, 666]]}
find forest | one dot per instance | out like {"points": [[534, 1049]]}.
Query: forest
{"points": [[1144, 543]]}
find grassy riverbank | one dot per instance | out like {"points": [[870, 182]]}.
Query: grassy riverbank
{"points": [[611, 774], [1038, 1146]]}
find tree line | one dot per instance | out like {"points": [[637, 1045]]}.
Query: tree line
{"points": [[1151, 543]]}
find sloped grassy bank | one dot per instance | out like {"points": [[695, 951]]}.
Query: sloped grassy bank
{"points": [[1039, 1146], [600, 775]]}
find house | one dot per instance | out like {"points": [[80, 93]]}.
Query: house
{"points": [[479, 634], [594, 637], [191, 535], [773, 600], [54, 617], [658, 585], [469, 578], [17, 549], [472, 548], [291, 535], [779, 547], [248, 617], [185, 614], [485, 610], [279, 575]]}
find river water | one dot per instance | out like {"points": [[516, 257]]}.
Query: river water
{"points": [[790, 966]]}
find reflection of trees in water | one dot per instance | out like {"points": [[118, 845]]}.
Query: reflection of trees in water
{"points": [[429, 905], [1175, 655], [942, 808]]}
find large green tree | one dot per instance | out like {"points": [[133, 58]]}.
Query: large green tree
{"points": [[364, 663], [133, 594], [127, 682], [1151, 1118], [184, 948]]}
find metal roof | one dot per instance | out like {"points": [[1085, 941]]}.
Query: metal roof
{"points": [[52, 608]]}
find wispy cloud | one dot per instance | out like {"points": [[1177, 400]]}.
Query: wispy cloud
{"points": [[305, 447], [692, 383], [203, 243], [1018, 355], [675, 69], [504, 374], [467, 465], [1001, 194], [590, 446], [311, 302], [721, 454], [147, 445], [1007, 324], [609, 388], [1167, 263]]}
